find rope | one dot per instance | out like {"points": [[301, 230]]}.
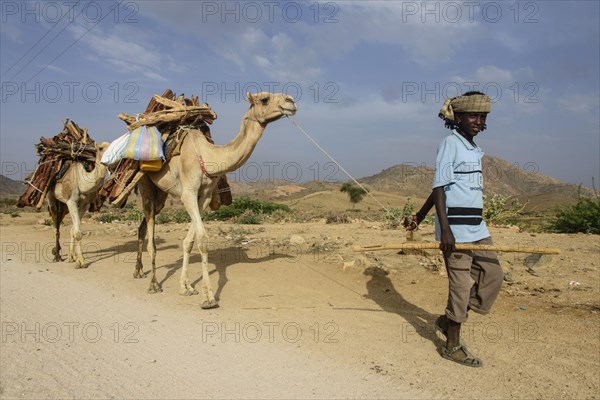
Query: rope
{"points": [[338, 164]]}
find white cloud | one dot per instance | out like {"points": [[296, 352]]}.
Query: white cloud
{"points": [[121, 54], [578, 103], [427, 41], [297, 51], [262, 61], [55, 68], [491, 73]]}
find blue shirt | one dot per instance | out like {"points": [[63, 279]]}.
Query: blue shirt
{"points": [[458, 169]]}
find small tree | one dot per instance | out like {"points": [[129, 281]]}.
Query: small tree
{"points": [[355, 193]]}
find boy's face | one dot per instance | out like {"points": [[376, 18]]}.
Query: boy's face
{"points": [[470, 124]]}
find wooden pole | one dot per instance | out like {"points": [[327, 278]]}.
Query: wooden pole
{"points": [[459, 246]]}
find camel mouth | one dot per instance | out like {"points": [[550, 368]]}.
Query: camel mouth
{"points": [[287, 111]]}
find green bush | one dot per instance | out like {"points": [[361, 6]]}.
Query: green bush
{"points": [[249, 217], [8, 201], [395, 217], [581, 217], [163, 218], [134, 214], [107, 218], [243, 204], [181, 217], [502, 209]]}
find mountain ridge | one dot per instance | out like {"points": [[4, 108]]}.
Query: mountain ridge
{"points": [[500, 178]]}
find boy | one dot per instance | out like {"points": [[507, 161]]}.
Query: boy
{"points": [[458, 198]]}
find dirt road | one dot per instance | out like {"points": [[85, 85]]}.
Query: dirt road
{"points": [[293, 321]]}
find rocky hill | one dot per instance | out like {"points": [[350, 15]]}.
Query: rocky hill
{"points": [[405, 180], [9, 187], [500, 177]]}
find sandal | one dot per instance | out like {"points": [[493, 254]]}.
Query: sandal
{"points": [[468, 360]]}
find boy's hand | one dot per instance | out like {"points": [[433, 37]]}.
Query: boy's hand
{"points": [[411, 225], [447, 241]]}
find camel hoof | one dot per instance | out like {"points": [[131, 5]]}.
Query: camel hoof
{"points": [[58, 258], [188, 291], [79, 265], [208, 304], [154, 288], [139, 275]]}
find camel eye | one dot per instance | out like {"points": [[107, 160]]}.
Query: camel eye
{"points": [[264, 101]]}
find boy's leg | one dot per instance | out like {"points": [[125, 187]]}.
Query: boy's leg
{"points": [[487, 274], [458, 266]]}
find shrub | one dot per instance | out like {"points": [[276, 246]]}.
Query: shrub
{"points": [[335, 218], [249, 217], [163, 218], [243, 204], [281, 216], [134, 214], [181, 217], [107, 218], [584, 216], [395, 216], [502, 209], [8, 201]]}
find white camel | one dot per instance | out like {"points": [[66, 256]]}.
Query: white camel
{"points": [[72, 194], [192, 177]]}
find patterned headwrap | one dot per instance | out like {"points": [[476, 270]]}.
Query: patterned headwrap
{"points": [[476, 103]]}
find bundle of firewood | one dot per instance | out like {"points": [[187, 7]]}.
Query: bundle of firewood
{"points": [[56, 154], [167, 113]]}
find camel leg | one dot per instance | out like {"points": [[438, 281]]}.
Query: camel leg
{"points": [[154, 285], [75, 253], [149, 217], [57, 212], [153, 200], [185, 287], [190, 201], [139, 267]]}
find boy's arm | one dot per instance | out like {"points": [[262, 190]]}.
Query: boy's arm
{"points": [[420, 215], [429, 203], [447, 241]]}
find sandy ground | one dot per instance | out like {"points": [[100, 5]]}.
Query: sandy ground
{"points": [[301, 316]]}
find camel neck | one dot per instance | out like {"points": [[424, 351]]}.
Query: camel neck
{"points": [[235, 153]]}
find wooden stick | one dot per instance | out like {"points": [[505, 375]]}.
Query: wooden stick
{"points": [[166, 102], [459, 246], [125, 193], [165, 116], [70, 126]]}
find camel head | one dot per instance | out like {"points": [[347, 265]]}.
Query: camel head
{"points": [[268, 107], [100, 149]]}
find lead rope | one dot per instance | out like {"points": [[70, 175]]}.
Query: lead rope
{"points": [[338, 164]]}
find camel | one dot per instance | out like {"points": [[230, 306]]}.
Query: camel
{"points": [[192, 177], [73, 194]]}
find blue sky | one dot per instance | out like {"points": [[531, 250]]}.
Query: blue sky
{"points": [[369, 77]]}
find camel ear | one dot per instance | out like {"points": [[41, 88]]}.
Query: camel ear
{"points": [[249, 97], [102, 146]]}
